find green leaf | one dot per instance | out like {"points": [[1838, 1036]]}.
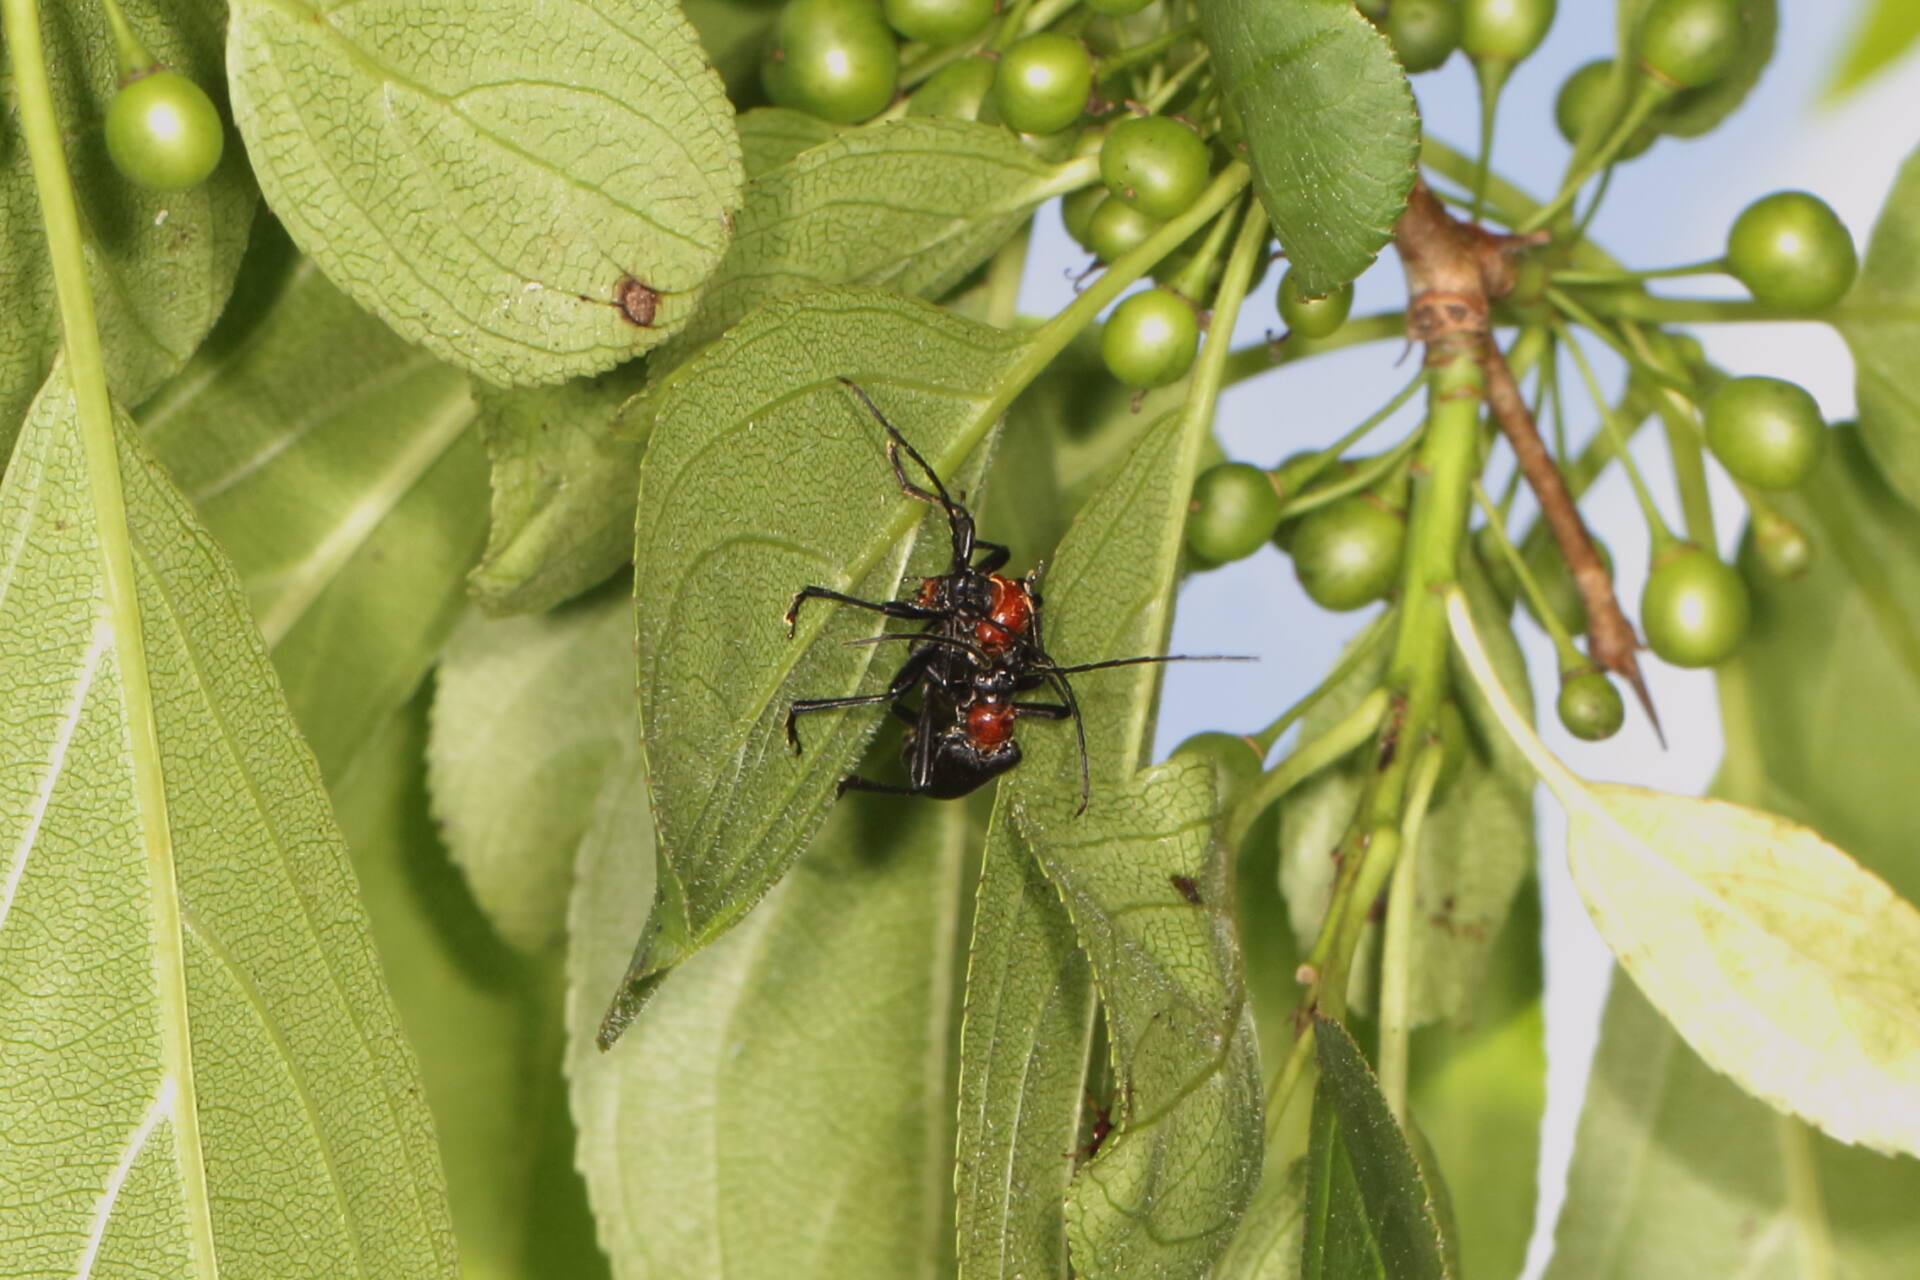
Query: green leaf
{"points": [[1880, 320], [1146, 885], [204, 1069], [1332, 132], [789, 1092], [1676, 1172], [1887, 31], [160, 264], [1369, 1212], [1478, 1090], [494, 187], [485, 1023], [911, 205], [1476, 846], [336, 466], [1025, 1042], [722, 547], [1784, 962], [1269, 1244], [771, 136], [563, 490], [528, 716]]}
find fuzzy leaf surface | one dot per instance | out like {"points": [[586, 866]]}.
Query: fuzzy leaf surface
{"points": [[1331, 128], [205, 1069], [1476, 846], [1369, 1210], [159, 264], [338, 467], [910, 205], [1146, 886], [796, 1072], [487, 185], [1880, 320], [763, 475], [1025, 1041], [528, 715], [563, 490], [485, 1022]]}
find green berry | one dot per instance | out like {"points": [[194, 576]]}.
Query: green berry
{"points": [[1313, 317], [1765, 431], [938, 22], [1116, 228], [1157, 165], [1043, 83], [163, 132], [1781, 546], [1236, 762], [1503, 30], [835, 59], [1584, 99], [1691, 43], [1590, 706], [1424, 33], [1077, 210], [1347, 554], [1695, 608], [1150, 339], [956, 91], [1792, 252], [1233, 512]]}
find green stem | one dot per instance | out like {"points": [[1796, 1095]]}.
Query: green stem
{"points": [[1175, 82], [1649, 309], [1365, 477], [1799, 1162], [1051, 338], [1651, 93], [1004, 274], [1570, 658], [1512, 205], [1662, 536], [1307, 759], [1709, 267], [1333, 452], [1251, 362], [1357, 653], [1209, 371], [85, 370], [1115, 63], [1396, 959], [1686, 439], [1492, 77], [1191, 283], [129, 52], [1573, 309]]}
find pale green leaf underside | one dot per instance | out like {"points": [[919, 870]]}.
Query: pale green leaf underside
{"points": [[788, 1091], [1785, 964], [159, 264], [1369, 1212], [315, 1151], [1024, 1048], [338, 467], [1330, 124], [1269, 1242], [771, 136], [563, 490], [528, 714], [1880, 320], [1676, 1172], [764, 475], [486, 184], [911, 205]]}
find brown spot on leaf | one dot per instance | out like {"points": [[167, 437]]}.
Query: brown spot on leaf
{"points": [[637, 302], [1186, 888]]}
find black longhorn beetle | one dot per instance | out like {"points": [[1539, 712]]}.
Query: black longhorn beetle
{"points": [[980, 649]]}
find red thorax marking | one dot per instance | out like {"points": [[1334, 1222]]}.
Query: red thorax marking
{"points": [[990, 723], [1009, 613]]}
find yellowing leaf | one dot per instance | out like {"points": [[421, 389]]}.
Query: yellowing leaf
{"points": [[1783, 962], [493, 180]]}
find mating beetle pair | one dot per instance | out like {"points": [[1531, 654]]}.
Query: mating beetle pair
{"points": [[980, 651]]}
